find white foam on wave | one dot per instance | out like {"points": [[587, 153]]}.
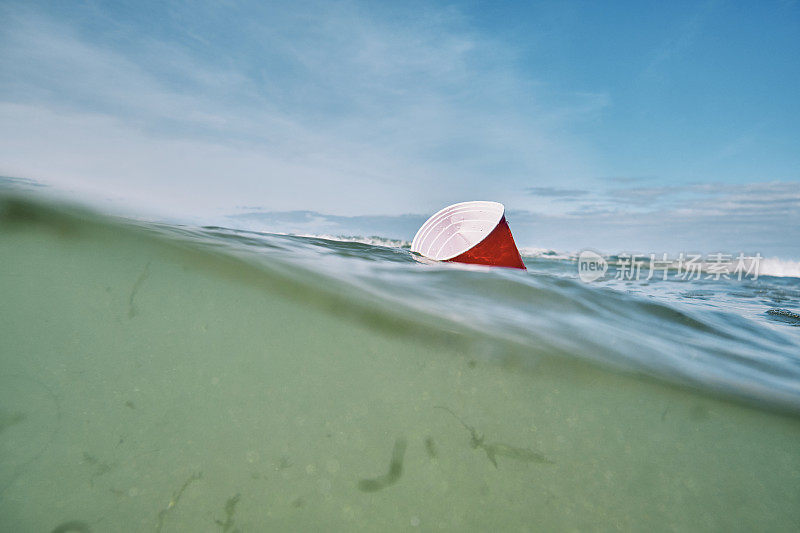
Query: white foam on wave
{"points": [[546, 253], [373, 241], [784, 268]]}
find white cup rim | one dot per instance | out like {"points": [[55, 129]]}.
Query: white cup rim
{"points": [[457, 228]]}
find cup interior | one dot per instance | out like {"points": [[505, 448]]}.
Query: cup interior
{"points": [[457, 228]]}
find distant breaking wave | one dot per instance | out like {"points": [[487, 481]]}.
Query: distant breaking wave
{"points": [[373, 240]]}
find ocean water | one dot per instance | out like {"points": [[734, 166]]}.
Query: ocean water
{"points": [[160, 377]]}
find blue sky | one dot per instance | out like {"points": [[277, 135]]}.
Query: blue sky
{"points": [[663, 126]]}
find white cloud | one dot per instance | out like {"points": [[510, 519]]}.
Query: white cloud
{"points": [[682, 40], [336, 109]]}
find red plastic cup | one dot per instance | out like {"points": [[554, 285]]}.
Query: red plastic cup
{"points": [[469, 232]]}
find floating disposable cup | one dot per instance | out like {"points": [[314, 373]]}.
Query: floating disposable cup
{"points": [[469, 232]]}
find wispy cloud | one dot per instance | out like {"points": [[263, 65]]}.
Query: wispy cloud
{"points": [[723, 199], [752, 217], [337, 107], [626, 179], [682, 39], [555, 192]]}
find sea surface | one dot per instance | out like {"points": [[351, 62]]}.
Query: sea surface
{"points": [[166, 377]]}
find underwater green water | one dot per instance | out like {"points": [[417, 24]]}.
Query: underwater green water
{"points": [[149, 385]]}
